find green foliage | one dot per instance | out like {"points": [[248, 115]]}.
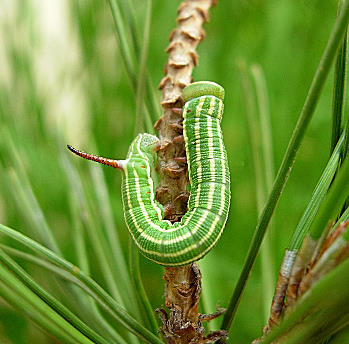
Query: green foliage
{"points": [[66, 79]]}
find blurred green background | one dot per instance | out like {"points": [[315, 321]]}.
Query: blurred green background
{"points": [[62, 81]]}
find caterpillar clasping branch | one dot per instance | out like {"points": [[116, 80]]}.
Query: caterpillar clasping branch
{"points": [[200, 228]]}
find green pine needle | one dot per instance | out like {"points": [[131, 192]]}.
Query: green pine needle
{"points": [[288, 160]]}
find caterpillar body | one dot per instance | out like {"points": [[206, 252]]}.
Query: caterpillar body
{"points": [[200, 228]]}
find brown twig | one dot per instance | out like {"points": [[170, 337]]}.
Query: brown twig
{"points": [[183, 284], [181, 61], [313, 261]]}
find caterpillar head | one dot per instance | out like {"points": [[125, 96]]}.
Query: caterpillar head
{"points": [[203, 88], [143, 145], [147, 142]]}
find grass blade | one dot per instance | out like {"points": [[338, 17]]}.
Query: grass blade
{"points": [[140, 120], [17, 294], [130, 65], [93, 227], [268, 177], [293, 262], [50, 300], [130, 12], [288, 160], [97, 238], [346, 141], [344, 217], [341, 337], [98, 317], [345, 151], [260, 182], [117, 280], [106, 215], [80, 248], [25, 196], [340, 73], [317, 198], [125, 49], [79, 236], [333, 202], [88, 284], [265, 125], [139, 287]]}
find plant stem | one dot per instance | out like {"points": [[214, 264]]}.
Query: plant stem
{"points": [[183, 284]]}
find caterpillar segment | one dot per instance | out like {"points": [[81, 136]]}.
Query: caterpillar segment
{"points": [[200, 228]]}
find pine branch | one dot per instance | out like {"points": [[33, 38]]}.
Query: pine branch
{"points": [[183, 284]]}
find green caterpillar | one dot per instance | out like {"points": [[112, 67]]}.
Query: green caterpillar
{"points": [[200, 228]]}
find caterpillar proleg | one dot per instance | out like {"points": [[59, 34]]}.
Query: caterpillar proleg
{"points": [[200, 228]]}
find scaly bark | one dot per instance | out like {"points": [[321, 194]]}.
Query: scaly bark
{"points": [[183, 284]]}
